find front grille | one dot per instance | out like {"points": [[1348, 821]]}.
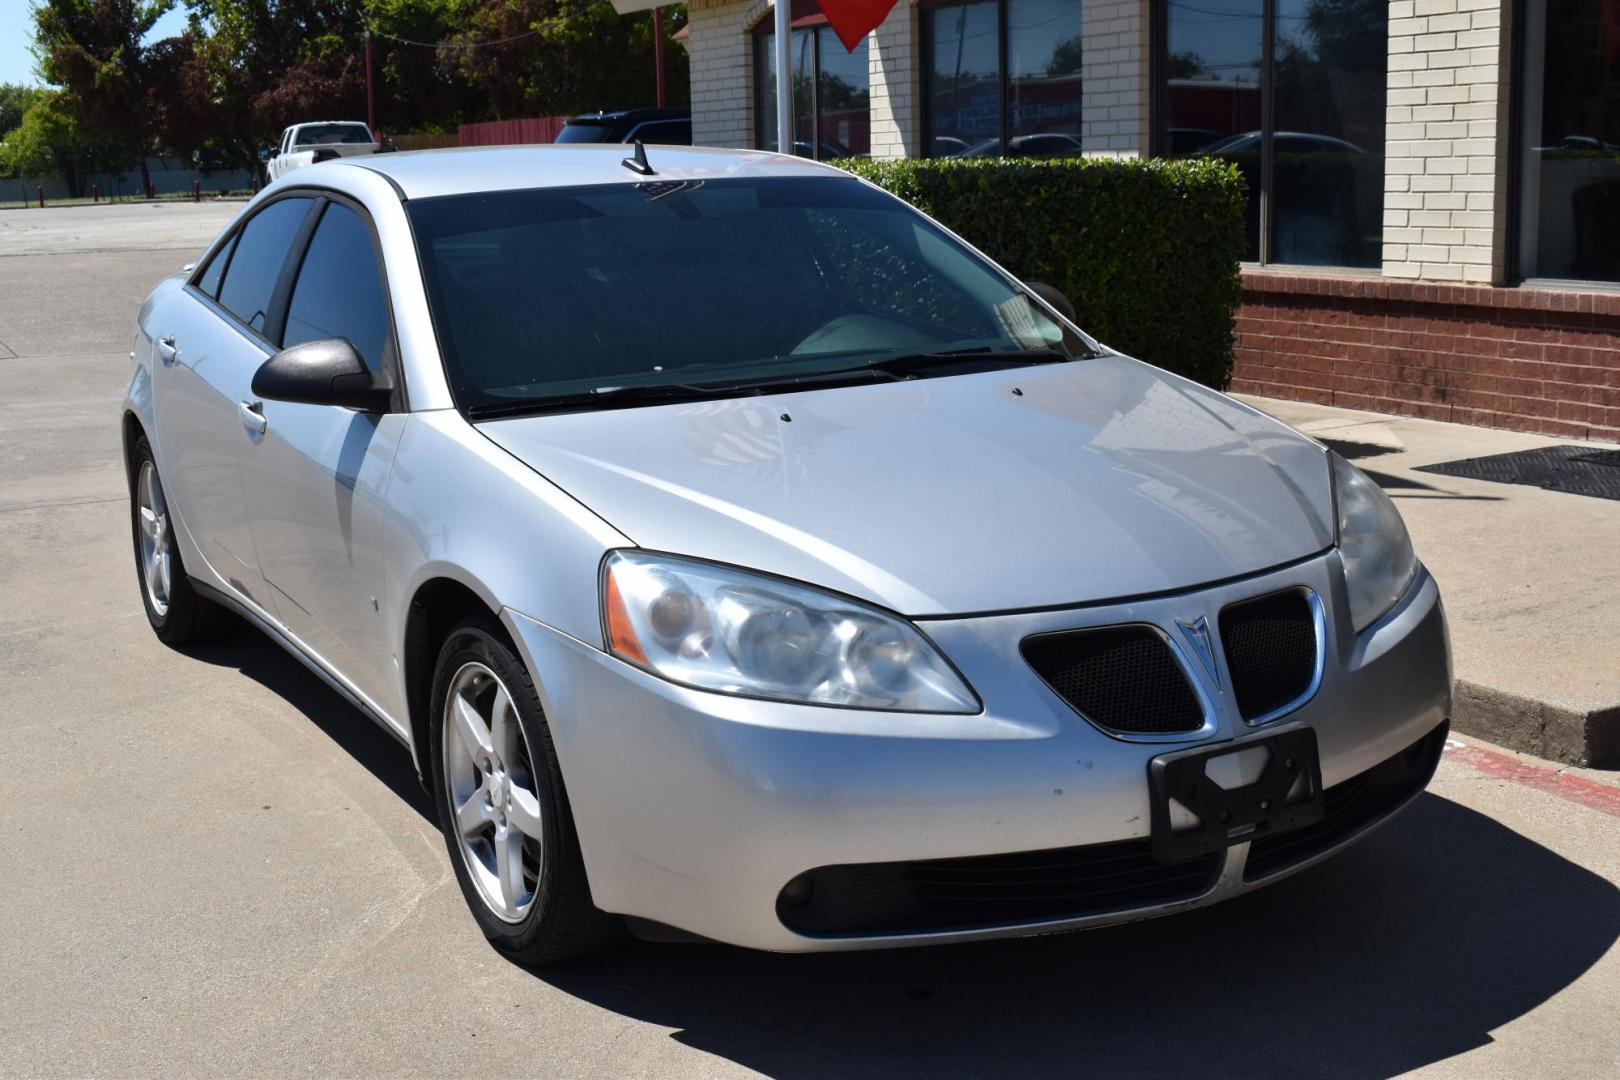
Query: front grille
{"points": [[989, 890], [1270, 651], [1123, 678], [1352, 805]]}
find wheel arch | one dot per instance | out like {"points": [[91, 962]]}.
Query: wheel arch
{"points": [[436, 606], [133, 429]]}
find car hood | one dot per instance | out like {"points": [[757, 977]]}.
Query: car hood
{"points": [[1003, 490]]}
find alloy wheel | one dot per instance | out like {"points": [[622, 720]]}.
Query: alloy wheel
{"points": [[490, 780], [156, 559]]}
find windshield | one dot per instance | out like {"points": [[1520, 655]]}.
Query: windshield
{"points": [[558, 291], [329, 134], [584, 131]]}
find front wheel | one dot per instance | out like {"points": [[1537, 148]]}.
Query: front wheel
{"points": [[502, 805]]}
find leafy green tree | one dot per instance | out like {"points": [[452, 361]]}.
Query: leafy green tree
{"points": [[15, 99], [50, 141]]}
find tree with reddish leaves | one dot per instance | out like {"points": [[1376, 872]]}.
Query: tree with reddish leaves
{"points": [[94, 50]]}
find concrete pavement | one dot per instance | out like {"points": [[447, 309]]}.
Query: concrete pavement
{"points": [[1529, 576], [210, 864]]}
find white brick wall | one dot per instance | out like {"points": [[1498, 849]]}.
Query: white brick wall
{"points": [[1114, 53], [893, 53], [722, 65], [1445, 173]]}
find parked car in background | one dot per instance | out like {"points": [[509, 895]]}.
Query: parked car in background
{"points": [[670, 127], [323, 140], [736, 548]]}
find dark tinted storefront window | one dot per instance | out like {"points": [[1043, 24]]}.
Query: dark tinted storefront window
{"points": [[832, 115], [1323, 192], [1570, 173], [1003, 78]]}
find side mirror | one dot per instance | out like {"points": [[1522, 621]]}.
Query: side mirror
{"points": [[326, 372], [1054, 296], [266, 153]]}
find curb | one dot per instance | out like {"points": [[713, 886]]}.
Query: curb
{"points": [[1554, 732]]}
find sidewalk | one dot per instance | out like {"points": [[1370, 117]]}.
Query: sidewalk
{"points": [[1530, 578]]}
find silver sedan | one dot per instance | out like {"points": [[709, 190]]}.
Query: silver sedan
{"points": [[740, 553]]}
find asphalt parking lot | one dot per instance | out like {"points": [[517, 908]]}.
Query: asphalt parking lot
{"points": [[210, 863]]}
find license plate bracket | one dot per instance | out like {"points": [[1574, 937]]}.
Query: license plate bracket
{"points": [[1228, 816]]}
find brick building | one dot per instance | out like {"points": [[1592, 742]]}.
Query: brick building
{"points": [[1434, 218]]}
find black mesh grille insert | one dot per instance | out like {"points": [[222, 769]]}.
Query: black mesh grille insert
{"points": [[989, 890], [1270, 651], [1124, 678]]}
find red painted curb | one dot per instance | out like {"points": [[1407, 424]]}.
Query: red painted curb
{"points": [[1573, 789]]}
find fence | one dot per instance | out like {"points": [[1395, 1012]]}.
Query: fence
{"points": [[426, 140], [166, 180], [540, 129]]}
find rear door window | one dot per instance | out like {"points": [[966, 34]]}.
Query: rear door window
{"points": [[340, 292], [261, 251]]}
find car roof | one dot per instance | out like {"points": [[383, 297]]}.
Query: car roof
{"points": [[426, 174]]}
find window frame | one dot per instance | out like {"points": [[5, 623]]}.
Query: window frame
{"points": [[287, 278], [1514, 244], [928, 11], [1265, 197]]}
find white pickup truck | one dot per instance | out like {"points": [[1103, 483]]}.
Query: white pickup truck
{"points": [[322, 140]]}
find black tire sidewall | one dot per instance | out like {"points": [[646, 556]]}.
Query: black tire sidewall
{"points": [[476, 642], [141, 455]]}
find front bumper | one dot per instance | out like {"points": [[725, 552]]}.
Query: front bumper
{"points": [[695, 809]]}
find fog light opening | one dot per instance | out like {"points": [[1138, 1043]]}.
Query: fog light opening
{"points": [[797, 892]]}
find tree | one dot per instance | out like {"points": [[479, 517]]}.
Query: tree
{"points": [[14, 102], [49, 141], [557, 57], [95, 50]]}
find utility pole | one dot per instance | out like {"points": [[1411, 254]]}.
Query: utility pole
{"points": [[658, 51], [784, 78], [371, 94]]}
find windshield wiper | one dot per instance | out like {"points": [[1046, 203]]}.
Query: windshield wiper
{"points": [[896, 367], [603, 397], [901, 365]]}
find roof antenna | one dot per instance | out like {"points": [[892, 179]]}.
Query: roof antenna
{"points": [[638, 163]]}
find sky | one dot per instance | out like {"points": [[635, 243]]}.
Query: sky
{"points": [[17, 34]]}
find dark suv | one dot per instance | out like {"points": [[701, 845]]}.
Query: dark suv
{"points": [[670, 127]]}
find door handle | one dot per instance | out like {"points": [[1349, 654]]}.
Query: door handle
{"points": [[167, 350], [252, 415]]}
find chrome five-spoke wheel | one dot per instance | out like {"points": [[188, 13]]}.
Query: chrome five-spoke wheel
{"points": [[156, 561], [489, 779]]}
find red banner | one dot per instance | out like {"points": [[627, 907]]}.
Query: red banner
{"points": [[852, 20]]}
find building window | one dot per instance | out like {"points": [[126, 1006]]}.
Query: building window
{"points": [[1293, 92], [832, 114], [1003, 78], [1569, 181]]}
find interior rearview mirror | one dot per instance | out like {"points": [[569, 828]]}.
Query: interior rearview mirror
{"points": [[328, 372], [1054, 296]]}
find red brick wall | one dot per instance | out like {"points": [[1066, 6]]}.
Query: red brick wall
{"points": [[1527, 358]]}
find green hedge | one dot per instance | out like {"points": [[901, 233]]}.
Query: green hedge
{"points": [[1147, 250]]}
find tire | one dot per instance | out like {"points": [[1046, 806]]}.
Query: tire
{"points": [[503, 780], [178, 613]]}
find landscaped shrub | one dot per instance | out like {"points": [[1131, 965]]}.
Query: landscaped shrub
{"points": [[1147, 250]]}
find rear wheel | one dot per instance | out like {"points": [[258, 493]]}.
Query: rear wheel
{"points": [[178, 614], [502, 805]]}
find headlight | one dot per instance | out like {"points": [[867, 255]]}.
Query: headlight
{"points": [[717, 628], [1373, 545]]}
